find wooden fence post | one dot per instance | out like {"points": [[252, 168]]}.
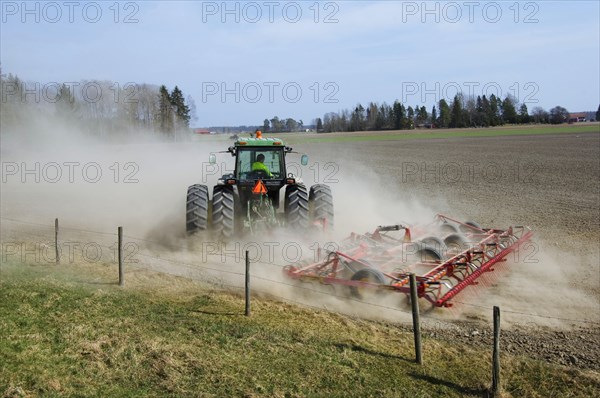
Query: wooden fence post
{"points": [[56, 241], [247, 284], [496, 355], [120, 256], [415, 315]]}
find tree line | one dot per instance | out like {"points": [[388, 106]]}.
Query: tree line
{"points": [[100, 107], [461, 112], [284, 125]]}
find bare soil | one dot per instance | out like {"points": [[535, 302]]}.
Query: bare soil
{"points": [[549, 182]]}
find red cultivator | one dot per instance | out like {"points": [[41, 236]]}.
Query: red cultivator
{"points": [[446, 256]]}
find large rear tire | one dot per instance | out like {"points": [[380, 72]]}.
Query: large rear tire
{"points": [[321, 204], [196, 216], [296, 206], [223, 211]]}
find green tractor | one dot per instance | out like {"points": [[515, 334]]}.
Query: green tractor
{"points": [[248, 200]]}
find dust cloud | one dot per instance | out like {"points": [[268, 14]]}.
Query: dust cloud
{"points": [[139, 182]]}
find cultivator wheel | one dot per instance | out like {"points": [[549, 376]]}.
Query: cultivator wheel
{"points": [[434, 242], [296, 206], [455, 243], [448, 228], [223, 211], [371, 278], [470, 227], [196, 218], [427, 254]]}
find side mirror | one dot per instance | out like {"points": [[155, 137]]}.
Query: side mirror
{"points": [[304, 160], [212, 158]]}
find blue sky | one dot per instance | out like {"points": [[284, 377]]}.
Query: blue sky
{"points": [[305, 64]]}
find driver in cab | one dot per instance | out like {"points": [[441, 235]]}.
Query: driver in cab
{"points": [[259, 165]]}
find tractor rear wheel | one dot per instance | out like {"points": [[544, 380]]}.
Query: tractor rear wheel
{"points": [[223, 211], [196, 216], [296, 206], [321, 205]]}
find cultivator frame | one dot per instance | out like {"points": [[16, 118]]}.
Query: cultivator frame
{"points": [[380, 261]]}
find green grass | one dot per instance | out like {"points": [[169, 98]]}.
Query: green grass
{"points": [[161, 335], [450, 133]]}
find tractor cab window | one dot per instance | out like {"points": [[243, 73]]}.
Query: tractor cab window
{"points": [[249, 167]]}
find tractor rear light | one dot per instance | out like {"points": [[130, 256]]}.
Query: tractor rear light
{"points": [[290, 181], [231, 181], [277, 143], [242, 143]]}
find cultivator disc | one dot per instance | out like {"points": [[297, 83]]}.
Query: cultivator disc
{"points": [[446, 256]]}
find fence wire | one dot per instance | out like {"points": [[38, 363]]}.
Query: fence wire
{"points": [[222, 284]]}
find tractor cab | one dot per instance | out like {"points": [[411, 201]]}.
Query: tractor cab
{"points": [[259, 162]]}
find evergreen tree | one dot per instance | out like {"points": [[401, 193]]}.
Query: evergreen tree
{"points": [[410, 118], [357, 120], [165, 112], [405, 122], [445, 116], [523, 114], [421, 115], [383, 117], [433, 115], [319, 124], [65, 105], [485, 111], [182, 111], [598, 114], [457, 116], [494, 111], [509, 112], [398, 111], [479, 119], [266, 126], [192, 106]]}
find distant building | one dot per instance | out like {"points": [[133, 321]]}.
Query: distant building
{"points": [[578, 117], [201, 131]]}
